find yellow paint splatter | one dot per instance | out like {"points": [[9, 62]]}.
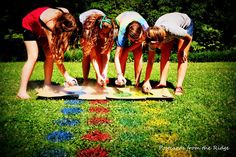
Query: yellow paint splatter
{"points": [[148, 110], [165, 138], [176, 153], [157, 122]]}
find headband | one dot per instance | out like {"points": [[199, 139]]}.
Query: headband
{"points": [[104, 19]]}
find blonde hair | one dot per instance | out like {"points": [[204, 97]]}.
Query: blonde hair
{"points": [[155, 33], [65, 26], [91, 28]]}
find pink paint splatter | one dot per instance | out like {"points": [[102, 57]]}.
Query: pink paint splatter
{"points": [[96, 135], [93, 152], [99, 109]]}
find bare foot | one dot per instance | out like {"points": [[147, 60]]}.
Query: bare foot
{"points": [[160, 86], [23, 96]]}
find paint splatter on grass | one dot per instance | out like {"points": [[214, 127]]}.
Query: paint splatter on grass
{"points": [[98, 121], [131, 122], [96, 135], [67, 122], [93, 152], [52, 152], [94, 102], [176, 153], [165, 138], [99, 109], [71, 110], [157, 122], [132, 137], [59, 136], [153, 111]]}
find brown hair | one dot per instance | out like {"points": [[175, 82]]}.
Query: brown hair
{"points": [[155, 33], [65, 26], [91, 28], [134, 30]]}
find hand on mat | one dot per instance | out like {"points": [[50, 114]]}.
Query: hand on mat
{"points": [[101, 81], [146, 87], [120, 80], [70, 81]]}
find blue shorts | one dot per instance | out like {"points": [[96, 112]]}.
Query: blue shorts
{"points": [[190, 28]]}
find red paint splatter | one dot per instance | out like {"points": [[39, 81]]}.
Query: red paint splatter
{"points": [[96, 135], [98, 120], [99, 109], [94, 102], [93, 152]]}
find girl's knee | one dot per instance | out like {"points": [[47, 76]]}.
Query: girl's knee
{"points": [[32, 59]]}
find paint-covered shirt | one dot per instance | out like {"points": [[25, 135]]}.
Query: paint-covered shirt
{"points": [[123, 20], [86, 14], [175, 24], [31, 21]]}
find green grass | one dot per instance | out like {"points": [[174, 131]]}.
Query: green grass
{"points": [[199, 123]]}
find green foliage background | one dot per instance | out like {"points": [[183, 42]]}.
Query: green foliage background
{"points": [[214, 21]]}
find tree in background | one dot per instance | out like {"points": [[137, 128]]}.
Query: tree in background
{"points": [[214, 20]]}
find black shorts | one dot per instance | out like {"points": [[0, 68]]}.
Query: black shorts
{"points": [[29, 35]]}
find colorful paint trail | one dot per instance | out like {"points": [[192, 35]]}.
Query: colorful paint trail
{"points": [[99, 109], [93, 152], [71, 110], [96, 135], [67, 122], [59, 136], [98, 121]]}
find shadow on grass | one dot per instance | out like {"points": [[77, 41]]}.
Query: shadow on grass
{"points": [[155, 83]]}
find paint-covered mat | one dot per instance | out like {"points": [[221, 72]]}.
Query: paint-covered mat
{"points": [[132, 93], [94, 92], [82, 92], [55, 91], [103, 93], [126, 93]]}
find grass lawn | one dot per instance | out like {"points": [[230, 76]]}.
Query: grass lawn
{"points": [[202, 122]]}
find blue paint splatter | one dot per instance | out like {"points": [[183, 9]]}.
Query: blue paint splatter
{"points": [[71, 110], [67, 122], [52, 153], [73, 102], [59, 136]]}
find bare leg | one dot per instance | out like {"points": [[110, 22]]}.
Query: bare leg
{"points": [[138, 62], [182, 66], [32, 54], [123, 59], [165, 63], [86, 67], [48, 69]]}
